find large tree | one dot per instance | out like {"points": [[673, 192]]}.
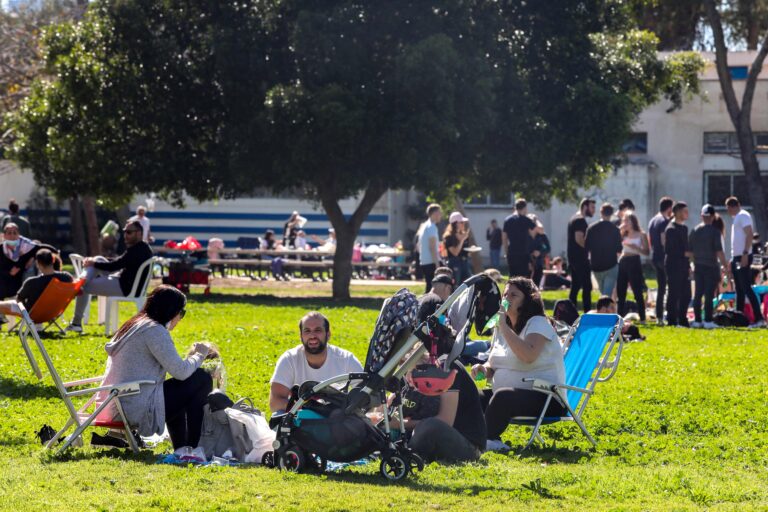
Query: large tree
{"points": [[339, 99]]}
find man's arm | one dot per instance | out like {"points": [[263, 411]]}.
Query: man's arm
{"points": [[748, 233], [278, 397], [580, 237], [504, 242]]}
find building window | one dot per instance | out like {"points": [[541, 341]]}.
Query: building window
{"points": [[738, 72], [726, 142], [495, 200], [720, 185], [637, 143]]}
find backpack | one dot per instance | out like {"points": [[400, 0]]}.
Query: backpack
{"points": [[730, 318]]}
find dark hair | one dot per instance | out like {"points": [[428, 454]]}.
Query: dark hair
{"points": [[432, 208], [450, 229], [679, 206], [13, 207], [44, 257], [604, 301], [162, 306], [315, 314], [719, 224], [665, 203], [732, 202], [520, 204], [532, 304], [268, 233], [606, 209], [135, 225], [626, 204], [444, 270], [635, 223], [586, 202]]}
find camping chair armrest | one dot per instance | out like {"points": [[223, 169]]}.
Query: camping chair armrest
{"points": [[573, 388], [122, 389], [614, 363], [540, 384], [83, 382]]}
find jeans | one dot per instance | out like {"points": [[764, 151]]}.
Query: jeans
{"points": [[581, 279], [97, 282], [661, 279], [495, 258], [742, 277], [507, 403], [184, 401], [631, 272], [706, 279], [433, 439], [606, 280], [679, 292], [429, 274], [460, 268]]}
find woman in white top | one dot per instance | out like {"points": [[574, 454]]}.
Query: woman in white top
{"points": [[634, 244], [525, 345]]}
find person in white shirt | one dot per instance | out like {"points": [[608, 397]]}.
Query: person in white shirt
{"points": [[141, 218], [741, 258], [429, 238], [525, 345], [314, 360]]}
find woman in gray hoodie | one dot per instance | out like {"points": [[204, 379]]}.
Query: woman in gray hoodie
{"points": [[143, 350]]}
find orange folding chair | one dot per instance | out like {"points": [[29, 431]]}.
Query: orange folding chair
{"points": [[53, 301]]}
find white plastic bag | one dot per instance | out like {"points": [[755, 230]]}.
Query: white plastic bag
{"points": [[260, 436]]}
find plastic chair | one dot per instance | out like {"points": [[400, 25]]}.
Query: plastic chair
{"points": [[137, 295], [95, 412], [590, 346]]}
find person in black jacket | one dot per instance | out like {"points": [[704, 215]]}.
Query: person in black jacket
{"points": [[677, 266], [101, 275]]}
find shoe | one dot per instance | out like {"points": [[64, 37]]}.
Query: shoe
{"points": [[99, 440], [759, 323], [710, 325], [697, 325], [74, 328], [660, 323], [495, 445]]}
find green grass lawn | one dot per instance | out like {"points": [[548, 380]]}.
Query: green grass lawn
{"points": [[682, 426]]}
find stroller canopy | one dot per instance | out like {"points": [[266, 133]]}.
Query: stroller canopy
{"points": [[396, 321]]}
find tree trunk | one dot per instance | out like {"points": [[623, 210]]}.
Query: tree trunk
{"points": [[91, 224], [76, 226], [475, 257], [741, 115], [346, 233]]}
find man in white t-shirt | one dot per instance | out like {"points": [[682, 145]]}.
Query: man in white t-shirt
{"points": [[429, 239], [741, 258], [313, 360], [141, 218]]}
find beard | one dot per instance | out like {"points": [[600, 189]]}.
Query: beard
{"points": [[319, 349]]}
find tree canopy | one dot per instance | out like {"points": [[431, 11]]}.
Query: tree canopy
{"points": [[340, 99]]}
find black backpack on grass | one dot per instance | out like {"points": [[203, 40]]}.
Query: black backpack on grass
{"points": [[730, 318]]}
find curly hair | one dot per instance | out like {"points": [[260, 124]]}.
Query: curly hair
{"points": [[532, 304]]}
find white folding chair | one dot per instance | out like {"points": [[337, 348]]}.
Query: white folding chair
{"points": [[137, 296], [77, 266], [95, 412]]}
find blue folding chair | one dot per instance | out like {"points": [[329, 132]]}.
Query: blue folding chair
{"points": [[589, 346]]}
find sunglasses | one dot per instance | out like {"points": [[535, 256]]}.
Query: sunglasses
{"points": [[130, 231], [182, 313]]}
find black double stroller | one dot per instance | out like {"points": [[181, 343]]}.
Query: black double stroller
{"points": [[327, 421]]}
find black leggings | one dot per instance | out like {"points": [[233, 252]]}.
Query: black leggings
{"points": [[184, 400], [507, 403], [631, 272], [433, 439], [581, 279]]}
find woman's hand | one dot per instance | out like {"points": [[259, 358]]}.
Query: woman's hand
{"points": [[482, 368], [201, 348]]}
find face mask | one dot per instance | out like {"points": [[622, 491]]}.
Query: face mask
{"points": [[11, 243]]}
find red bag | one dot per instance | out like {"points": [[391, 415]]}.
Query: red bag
{"points": [[190, 244]]}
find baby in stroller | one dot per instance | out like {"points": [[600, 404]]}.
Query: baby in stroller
{"points": [[327, 423]]}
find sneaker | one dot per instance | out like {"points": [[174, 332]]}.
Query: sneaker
{"points": [[697, 325], [74, 328], [495, 445], [99, 440], [759, 323], [710, 325]]}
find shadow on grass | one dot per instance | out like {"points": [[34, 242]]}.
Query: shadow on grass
{"points": [[14, 388], [552, 453], [302, 302]]}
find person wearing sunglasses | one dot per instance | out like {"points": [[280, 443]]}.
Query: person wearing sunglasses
{"points": [[112, 278], [142, 349]]}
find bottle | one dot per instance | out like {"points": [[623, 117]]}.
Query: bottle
{"points": [[495, 318]]}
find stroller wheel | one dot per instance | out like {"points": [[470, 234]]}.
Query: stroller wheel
{"points": [[416, 462], [394, 467], [292, 460], [320, 463], [268, 460]]}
